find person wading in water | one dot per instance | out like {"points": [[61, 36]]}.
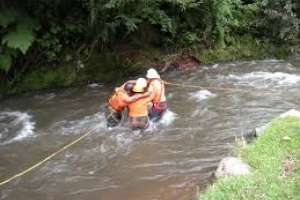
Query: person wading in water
{"points": [[158, 97], [121, 98], [139, 109]]}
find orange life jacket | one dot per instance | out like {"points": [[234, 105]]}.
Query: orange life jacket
{"points": [[116, 101], [158, 92], [139, 108]]}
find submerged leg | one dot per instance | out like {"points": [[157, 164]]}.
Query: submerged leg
{"points": [[113, 117], [138, 122]]}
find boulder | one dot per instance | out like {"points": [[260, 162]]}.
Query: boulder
{"points": [[291, 113], [180, 63], [258, 131], [231, 166], [185, 62]]}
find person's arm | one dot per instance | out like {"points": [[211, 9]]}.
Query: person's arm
{"points": [[136, 97], [117, 89], [151, 89]]}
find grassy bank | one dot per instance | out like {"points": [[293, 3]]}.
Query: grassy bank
{"points": [[275, 160]]}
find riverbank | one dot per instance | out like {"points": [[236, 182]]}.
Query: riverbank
{"points": [[274, 158], [127, 62]]}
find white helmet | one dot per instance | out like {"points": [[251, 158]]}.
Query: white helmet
{"points": [[140, 85], [152, 73]]}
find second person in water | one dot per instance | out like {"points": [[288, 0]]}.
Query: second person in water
{"points": [[157, 87]]}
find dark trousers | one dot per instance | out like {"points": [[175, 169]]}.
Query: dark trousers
{"points": [[138, 122], [113, 118], [158, 110]]}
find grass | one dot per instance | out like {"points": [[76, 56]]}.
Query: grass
{"points": [[275, 162]]}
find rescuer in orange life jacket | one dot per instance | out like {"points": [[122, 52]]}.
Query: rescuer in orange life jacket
{"points": [[121, 98], [157, 87], [139, 109]]}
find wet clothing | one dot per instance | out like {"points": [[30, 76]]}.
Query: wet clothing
{"points": [[139, 108], [138, 113], [157, 110], [113, 117], [138, 122], [117, 100], [158, 89], [159, 99], [120, 99]]}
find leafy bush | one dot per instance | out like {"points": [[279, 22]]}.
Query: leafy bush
{"points": [[17, 36], [48, 33]]}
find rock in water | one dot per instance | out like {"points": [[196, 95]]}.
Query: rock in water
{"points": [[291, 113], [231, 166], [259, 131]]}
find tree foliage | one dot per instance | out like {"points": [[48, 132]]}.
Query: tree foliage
{"points": [[279, 20], [44, 32], [17, 36]]}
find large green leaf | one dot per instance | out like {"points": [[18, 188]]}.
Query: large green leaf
{"points": [[21, 38], [5, 62]]}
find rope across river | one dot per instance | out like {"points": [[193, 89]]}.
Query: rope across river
{"points": [[202, 87], [73, 142], [29, 169]]}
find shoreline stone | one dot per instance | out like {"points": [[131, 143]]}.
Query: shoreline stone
{"points": [[231, 166], [258, 131], [290, 113]]}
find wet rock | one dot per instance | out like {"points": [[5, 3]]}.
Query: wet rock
{"points": [[291, 113], [185, 62], [249, 136], [258, 131], [231, 166], [179, 62]]}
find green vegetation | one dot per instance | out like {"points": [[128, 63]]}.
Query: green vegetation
{"points": [[275, 158], [39, 36], [245, 48]]}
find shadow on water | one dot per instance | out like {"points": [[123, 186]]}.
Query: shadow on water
{"points": [[167, 161]]}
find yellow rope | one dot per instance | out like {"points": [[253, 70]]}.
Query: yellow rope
{"points": [[201, 87], [46, 159], [29, 169]]}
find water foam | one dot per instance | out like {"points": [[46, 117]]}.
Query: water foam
{"points": [[215, 66], [167, 119], [18, 119], [96, 122], [266, 79], [95, 85], [202, 95]]}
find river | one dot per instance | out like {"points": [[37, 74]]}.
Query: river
{"points": [[172, 160]]}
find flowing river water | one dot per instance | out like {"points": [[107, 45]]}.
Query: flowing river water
{"points": [[169, 161]]}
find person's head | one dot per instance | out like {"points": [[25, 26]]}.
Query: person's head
{"points": [[140, 85], [152, 74], [128, 87]]}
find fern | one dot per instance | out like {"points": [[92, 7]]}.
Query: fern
{"points": [[21, 38], [5, 62]]}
